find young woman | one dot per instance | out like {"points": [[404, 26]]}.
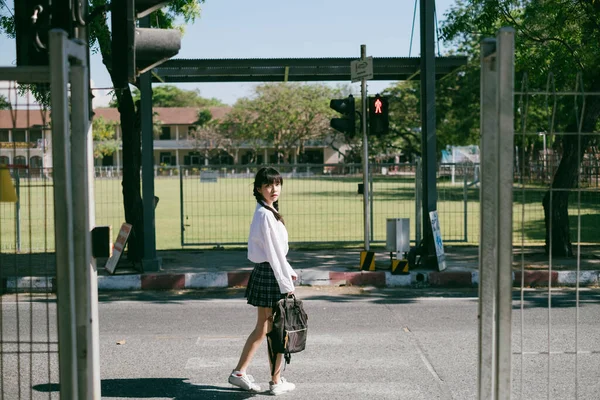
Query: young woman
{"points": [[271, 279]]}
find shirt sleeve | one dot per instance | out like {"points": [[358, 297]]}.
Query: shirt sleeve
{"points": [[276, 252]]}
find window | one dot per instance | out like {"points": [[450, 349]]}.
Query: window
{"points": [[3, 135], [18, 135], [35, 135], [4, 160], [165, 133], [108, 161], [165, 158], [35, 162]]}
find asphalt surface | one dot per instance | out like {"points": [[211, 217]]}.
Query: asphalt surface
{"points": [[364, 343]]}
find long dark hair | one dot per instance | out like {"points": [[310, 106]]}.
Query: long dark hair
{"points": [[268, 176]]}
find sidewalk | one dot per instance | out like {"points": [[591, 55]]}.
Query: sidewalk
{"points": [[192, 269]]}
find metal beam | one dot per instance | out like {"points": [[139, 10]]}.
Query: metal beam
{"points": [[294, 69]]}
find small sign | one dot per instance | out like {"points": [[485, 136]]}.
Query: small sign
{"points": [[437, 238], [361, 69], [118, 248]]}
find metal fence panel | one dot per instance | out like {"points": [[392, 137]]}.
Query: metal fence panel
{"points": [[28, 323]]}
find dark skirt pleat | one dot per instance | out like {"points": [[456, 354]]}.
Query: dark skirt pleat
{"points": [[263, 289]]}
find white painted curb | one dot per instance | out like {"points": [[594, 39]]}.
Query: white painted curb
{"points": [[120, 282], [195, 280], [397, 280], [35, 283], [313, 278], [570, 277]]}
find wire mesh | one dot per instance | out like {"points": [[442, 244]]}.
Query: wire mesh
{"points": [[556, 322], [28, 331], [321, 203]]}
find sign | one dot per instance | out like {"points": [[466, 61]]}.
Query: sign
{"points": [[118, 248], [437, 238], [361, 69]]}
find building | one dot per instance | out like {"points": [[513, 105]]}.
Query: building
{"points": [[25, 140]]}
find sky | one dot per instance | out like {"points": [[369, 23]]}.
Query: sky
{"points": [[282, 28]]}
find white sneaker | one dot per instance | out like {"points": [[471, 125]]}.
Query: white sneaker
{"points": [[282, 387], [243, 381]]}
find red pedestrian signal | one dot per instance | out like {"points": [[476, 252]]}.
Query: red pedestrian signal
{"points": [[379, 123]]}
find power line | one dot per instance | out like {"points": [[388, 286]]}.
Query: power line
{"points": [[5, 5]]}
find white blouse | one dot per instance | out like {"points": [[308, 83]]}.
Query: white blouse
{"points": [[268, 242]]}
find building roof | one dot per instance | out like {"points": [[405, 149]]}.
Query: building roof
{"points": [[22, 119], [168, 115]]}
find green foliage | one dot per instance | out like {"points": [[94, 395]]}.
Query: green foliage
{"points": [[457, 114], [204, 117], [288, 115], [4, 103], [103, 133], [558, 38], [554, 42], [172, 96]]}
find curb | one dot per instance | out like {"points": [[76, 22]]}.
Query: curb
{"points": [[449, 279]]}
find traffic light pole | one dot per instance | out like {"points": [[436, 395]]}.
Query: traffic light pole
{"points": [[365, 158], [150, 262], [428, 130]]}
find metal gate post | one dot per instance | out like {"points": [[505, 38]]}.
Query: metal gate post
{"points": [[86, 274], [488, 221], [506, 72], [418, 208], [495, 249], [63, 214]]}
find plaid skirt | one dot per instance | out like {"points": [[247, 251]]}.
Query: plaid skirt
{"points": [[263, 289]]}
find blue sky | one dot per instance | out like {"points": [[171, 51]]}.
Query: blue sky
{"points": [[282, 28]]}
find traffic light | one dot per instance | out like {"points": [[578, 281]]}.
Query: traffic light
{"points": [[379, 122], [346, 107], [32, 22], [137, 50]]}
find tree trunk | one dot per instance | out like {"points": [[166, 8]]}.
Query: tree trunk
{"points": [[556, 215], [132, 199]]}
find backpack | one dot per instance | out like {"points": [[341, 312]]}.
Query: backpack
{"points": [[289, 331]]}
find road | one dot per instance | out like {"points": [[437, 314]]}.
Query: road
{"points": [[363, 344]]}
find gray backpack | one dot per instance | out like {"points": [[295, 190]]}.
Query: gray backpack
{"points": [[290, 328]]}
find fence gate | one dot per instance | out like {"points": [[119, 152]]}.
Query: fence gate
{"points": [[538, 337], [48, 342]]}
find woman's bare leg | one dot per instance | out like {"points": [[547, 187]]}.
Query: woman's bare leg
{"points": [[264, 315], [278, 362]]}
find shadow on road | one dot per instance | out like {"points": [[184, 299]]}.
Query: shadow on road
{"points": [[150, 388]]}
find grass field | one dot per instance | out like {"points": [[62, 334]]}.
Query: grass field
{"points": [[316, 210]]}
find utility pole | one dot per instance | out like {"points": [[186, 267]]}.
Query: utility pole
{"points": [[365, 158], [428, 129]]}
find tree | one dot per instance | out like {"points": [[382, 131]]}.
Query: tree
{"points": [[103, 133], [240, 126], [100, 41], [129, 110], [207, 136], [285, 115], [4, 103], [172, 96], [457, 113], [558, 38]]}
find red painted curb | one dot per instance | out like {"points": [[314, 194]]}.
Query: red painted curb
{"points": [[239, 279], [162, 281], [462, 279], [360, 278], [535, 278]]}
